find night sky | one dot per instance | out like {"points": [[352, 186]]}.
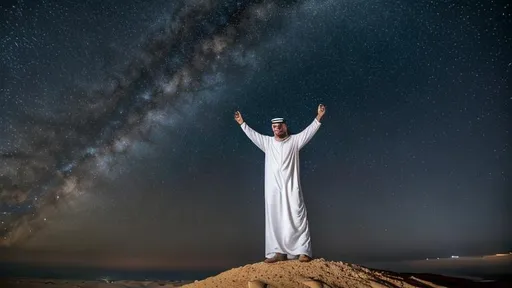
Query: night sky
{"points": [[118, 145]]}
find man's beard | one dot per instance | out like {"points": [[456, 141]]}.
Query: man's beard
{"points": [[282, 135]]}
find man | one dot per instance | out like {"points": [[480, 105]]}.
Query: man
{"points": [[286, 224]]}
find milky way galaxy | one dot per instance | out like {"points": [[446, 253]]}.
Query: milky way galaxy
{"points": [[48, 161]]}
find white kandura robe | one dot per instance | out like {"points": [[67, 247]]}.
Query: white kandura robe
{"points": [[286, 223]]}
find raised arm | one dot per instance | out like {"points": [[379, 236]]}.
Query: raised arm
{"points": [[305, 135], [257, 138]]}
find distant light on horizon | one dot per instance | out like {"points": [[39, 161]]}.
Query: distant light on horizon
{"points": [[464, 257]]}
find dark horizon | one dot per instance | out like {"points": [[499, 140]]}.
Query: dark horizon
{"points": [[474, 269], [88, 260]]}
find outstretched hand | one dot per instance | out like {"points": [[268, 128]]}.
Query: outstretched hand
{"points": [[321, 112], [238, 118]]}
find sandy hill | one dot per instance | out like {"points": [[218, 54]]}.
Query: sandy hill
{"points": [[320, 273]]}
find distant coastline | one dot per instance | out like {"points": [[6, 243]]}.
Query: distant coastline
{"points": [[483, 267]]}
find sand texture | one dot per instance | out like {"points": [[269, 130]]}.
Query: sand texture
{"points": [[322, 274], [318, 273], [292, 273]]}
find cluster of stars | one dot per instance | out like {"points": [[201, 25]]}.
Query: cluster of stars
{"points": [[60, 130]]}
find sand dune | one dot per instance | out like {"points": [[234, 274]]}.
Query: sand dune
{"points": [[318, 273]]}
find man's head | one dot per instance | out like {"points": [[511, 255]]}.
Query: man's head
{"points": [[279, 128]]}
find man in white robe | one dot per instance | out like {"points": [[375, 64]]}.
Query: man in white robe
{"points": [[286, 225]]}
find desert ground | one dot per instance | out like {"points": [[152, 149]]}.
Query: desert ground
{"points": [[318, 273]]}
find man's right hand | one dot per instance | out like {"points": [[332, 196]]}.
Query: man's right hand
{"points": [[238, 118]]}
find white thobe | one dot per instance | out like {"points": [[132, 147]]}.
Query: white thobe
{"points": [[286, 223]]}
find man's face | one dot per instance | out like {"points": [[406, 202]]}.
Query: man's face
{"points": [[279, 129]]}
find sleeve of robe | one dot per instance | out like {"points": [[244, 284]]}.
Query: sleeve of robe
{"points": [[305, 135], [257, 138]]}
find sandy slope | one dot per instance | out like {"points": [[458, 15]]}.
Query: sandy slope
{"points": [[296, 274], [318, 273]]}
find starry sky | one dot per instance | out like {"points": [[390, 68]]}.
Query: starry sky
{"points": [[119, 149]]}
